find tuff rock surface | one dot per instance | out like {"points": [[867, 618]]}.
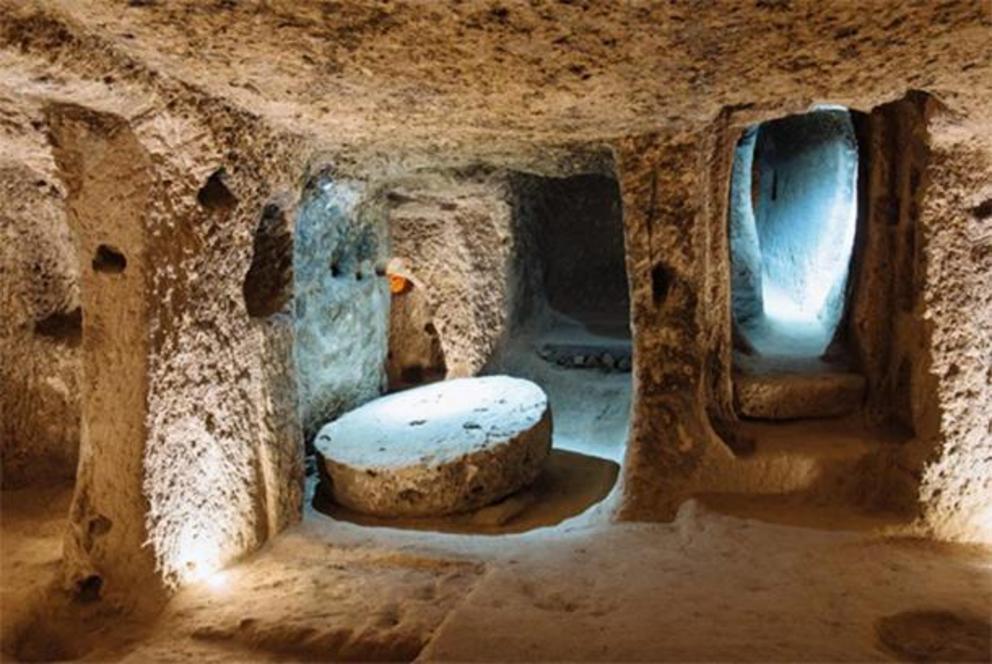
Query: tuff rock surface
{"points": [[142, 143]]}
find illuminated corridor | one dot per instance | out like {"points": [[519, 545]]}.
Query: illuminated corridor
{"points": [[792, 226]]}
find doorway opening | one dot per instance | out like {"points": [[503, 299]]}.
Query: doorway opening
{"points": [[503, 276], [793, 216], [571, 329], [793, 219]]}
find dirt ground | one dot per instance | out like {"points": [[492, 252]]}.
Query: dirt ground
{"points": [[709, 586]]}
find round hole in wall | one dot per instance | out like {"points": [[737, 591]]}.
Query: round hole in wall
{"points": [[99, 525], [215, 194], [109, 260], [88, 589]]}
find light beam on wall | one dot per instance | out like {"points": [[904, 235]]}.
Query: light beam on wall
{"points": [[201, 553]]}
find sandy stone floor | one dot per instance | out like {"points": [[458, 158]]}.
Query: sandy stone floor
{"points": [[709, 586], [32, 522]]}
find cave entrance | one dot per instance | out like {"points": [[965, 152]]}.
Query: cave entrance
{"points": [[571, 332], [578, 235], [792, 229], [793, 217]]}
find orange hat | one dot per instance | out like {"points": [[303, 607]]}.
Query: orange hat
{"points": [[399, 284]]}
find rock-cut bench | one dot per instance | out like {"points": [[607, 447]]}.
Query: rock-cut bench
{"points": [[442, 448]]}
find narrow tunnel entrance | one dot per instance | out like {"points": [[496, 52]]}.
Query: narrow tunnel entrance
{"points": [[571, 332], [578, 232], [792, 229], [793, 219], [824, 238]]}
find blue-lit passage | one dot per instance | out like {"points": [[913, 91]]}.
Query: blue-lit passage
{"points": [[793, 208]]}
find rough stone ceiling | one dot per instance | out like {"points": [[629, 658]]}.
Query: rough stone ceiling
{"points": [[460, 74]]}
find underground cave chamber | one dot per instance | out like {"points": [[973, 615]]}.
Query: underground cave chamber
{"points": [[224, 230], [521, 276]]}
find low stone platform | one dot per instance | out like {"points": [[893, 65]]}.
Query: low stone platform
{"points": [[439, 449], [793, 396]]}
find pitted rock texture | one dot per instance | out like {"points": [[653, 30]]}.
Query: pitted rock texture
{"points": [[461, 75], [190, 444], [147, 101], [40, 314], [452, 236], [341, 301], [438, 449], [956, 308]]}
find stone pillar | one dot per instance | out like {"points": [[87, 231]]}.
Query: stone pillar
{"points": [[222, 468], [954, 378], [663, 180], [108, 177], [884, 325], [191, 452], [454, 238]]}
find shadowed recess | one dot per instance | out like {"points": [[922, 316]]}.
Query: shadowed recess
{"points": [[109, 260], [214, 194], [268, 286]]}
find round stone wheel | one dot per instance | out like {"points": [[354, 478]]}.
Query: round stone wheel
{"points": [[439, 449]]}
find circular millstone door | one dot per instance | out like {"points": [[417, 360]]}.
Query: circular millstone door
{"points": [[442, 448]]}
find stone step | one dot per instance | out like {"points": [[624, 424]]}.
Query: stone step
{"points": [[789, 396], [800, 455], [802, 512], [831, 472]]}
